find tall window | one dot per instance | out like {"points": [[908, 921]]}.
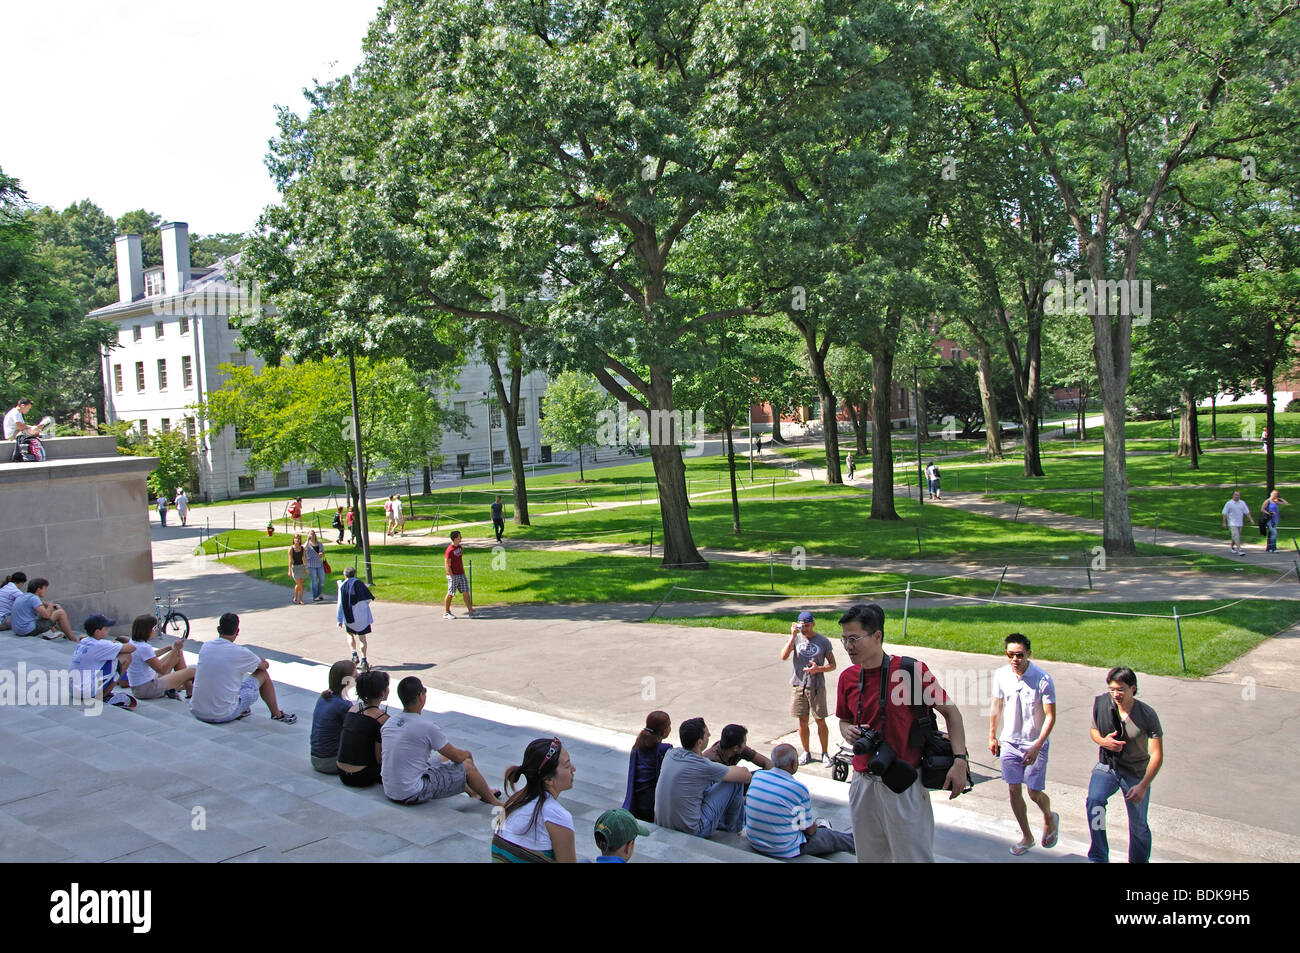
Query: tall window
{"points": [[157, 329], [139, 375], [185, 324], [521, 413], [498, 457], [166, 424], [187, 371], [189, 427], [135, 333], [241, 440], [143, 427], [245, 484], [153, 284], [162, 374], [282, 479], [117, 378], [459, 406]]}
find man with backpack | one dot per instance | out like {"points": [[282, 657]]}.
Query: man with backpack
{"points": [[877, 707], [16, 421]]}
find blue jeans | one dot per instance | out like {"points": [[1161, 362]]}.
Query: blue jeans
{"points": [[723, 809], [162, 515], [1104, 782], [826, 841], [317, 574], [1272, 538]]}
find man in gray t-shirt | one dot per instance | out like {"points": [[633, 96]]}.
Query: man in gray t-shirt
{"points": [[812, 658], [695, 795]]}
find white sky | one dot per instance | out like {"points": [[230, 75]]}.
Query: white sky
{"points": [[163, 104]]}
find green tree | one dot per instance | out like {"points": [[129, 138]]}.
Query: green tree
{"points": [[176, 464], [575, 411]]}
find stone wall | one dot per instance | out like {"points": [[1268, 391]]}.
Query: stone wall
{"points": [[81, 520]]}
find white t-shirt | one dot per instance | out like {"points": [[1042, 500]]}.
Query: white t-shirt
{"points": [[138, 672], [8, 593], [1236, 511], [222, 668], [182, 501], [92, 665], [13, 420], [407, 741], [1022, 713], [397, 509], [516, 828]]}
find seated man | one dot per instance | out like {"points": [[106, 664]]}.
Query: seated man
{"points": [[16, 421], [696, 795], [731, 749], [778, 813], [96, 662], [32, 615], [11, 590], [409, 776], [228, 679]]}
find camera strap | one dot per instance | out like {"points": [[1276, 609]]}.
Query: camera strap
{"points": [[884, 692]]}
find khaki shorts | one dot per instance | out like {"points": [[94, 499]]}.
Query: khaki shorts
{"points": [[150, 689], [806, 701]]}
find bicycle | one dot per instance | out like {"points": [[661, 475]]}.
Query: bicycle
{"points": [[171, 622]]}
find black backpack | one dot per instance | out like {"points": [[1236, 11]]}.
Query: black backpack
{"points": [[936, 750], [28, 449]]}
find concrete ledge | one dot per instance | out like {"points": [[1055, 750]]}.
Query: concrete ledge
{"points": [[68, 448], [16, 473]]}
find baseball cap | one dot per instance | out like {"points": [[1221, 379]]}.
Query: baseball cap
{"points": [[615, 828], [805, 617], [98, 621]]}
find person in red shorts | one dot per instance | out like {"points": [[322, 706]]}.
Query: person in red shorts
{"points": [[456, 581]]}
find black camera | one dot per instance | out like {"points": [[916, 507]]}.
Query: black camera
{"points": [[884, 764]]}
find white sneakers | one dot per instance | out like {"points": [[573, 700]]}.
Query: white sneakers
{"points": [[448, 615]]}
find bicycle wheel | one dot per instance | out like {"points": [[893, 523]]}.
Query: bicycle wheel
{"points": [[177, 626]]}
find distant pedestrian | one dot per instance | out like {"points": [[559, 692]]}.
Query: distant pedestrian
{"points": [[339, 523], [315, 553], [388, 514], [1235, 512], [851, 465], [182, 506], [1272, 509], [162, 508], [498, 518], [1263, 440], [295, 513], [932, 477], [453, 560], [354, 525], [399, 517]]}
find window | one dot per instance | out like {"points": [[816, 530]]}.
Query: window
{"points": [[462, 460], [498, 457], [313, 477], [189, 428], [521, 413], [117, 378], [494, 418], [241, 439], [185, 324], [162, 374], [166, 424], [246, 484], [282, 479], [143, 427], [187, 372], [239, 359], [153, 284], [135, 333], [157, 329], [546, 453], [523, 454], [139, 375]]}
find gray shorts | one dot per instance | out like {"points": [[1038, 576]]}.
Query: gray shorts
{"points": [[150, 689], [1235, 533], [442, 780], [457, 584], [42, 626]]}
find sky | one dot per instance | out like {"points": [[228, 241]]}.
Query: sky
{"points": [[165, 105]]}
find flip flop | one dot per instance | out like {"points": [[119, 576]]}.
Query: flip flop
{"points": [[1050, 839], [1018, 849]]}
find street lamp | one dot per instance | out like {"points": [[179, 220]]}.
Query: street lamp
{"points": [[916, 412]]}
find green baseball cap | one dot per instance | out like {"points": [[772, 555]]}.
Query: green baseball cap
{"points": [[615, 828]]}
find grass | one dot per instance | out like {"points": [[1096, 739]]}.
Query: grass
{"points": [[528, 576], [1228, 425], [1148, 645]]}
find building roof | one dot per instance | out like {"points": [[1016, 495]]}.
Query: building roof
{"points": [[202, 281]]}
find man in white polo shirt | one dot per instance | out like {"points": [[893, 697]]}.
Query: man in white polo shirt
{"points": [[1235, 513], [1024, 702], [16, 420], [229, 679]]}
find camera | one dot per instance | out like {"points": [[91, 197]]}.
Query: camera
{"points": [[884, 764]]}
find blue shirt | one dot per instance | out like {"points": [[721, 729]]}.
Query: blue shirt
{"points": [[777, 812], [22, 617], [610, 859], [327, 725], [8, 593], [1273, 511]]}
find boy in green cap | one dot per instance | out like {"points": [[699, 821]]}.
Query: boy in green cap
{"points": [[616, 834]]}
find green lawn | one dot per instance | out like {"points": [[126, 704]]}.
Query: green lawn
{"points": [[1228, 426], [1148, 645], [516, 576]]}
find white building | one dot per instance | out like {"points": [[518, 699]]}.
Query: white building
{"points": [[174, 329]]}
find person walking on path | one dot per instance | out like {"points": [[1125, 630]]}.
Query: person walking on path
{"points": [[1272, 509], [454, 561], [315, 552], [297, 567], [354, 615], [498, 518], [932, 478], [850, 464], [182, 506], [813, 658], [295, 513], [1131, 750], [339, 523], [1024, 704], [1235, 512], [162, 508], [388, 515], [354, 525], [399, 517]]}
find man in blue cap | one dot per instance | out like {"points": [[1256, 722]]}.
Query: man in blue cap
{"points": [[813, 658]]}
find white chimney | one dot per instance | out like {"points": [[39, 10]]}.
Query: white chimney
{"points": [[176, 257], [130, 268]]}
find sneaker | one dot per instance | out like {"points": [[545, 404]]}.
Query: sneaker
{"points": [[286, 717], [826, 759], [173, 694], [471, 615], [52, 634], [809, 759], [355, 658], [365, 665], [448, 615]]}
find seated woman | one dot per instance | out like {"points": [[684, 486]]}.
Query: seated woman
{"points": [[327, 720], [534, 828], [643, 766], [359, 742], [157, 674]]}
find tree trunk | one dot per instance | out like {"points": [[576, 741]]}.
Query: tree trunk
{"points": [[428, 479], [731, 469], [1214, 416], [858, 417], [1270, 424], [776, 425], [582, 474], [922, 418], [882, 449], [510, 408], [1187, 442], [1112, 347], [989, 402], [830, 425], [670, 474]]}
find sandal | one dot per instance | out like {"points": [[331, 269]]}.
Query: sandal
{"points": [[1019, 849], [1049, 840], [286, 717]]}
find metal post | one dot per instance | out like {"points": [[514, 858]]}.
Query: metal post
{"points": [[1087, 565], [918, 540], [661, 602], [1178, 623], [259, 558], [1018, 505], [774, 488], [1155, 536], [469, 577], [907, 599], [361, 469], [998, 587], [771, 571], [916, 413], [1092, 504], [652, 539]]}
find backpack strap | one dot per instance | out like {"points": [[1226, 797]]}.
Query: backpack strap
{"points": [[924, 726]]}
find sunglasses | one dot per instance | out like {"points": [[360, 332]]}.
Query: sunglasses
{"points": [[1014, 655]]}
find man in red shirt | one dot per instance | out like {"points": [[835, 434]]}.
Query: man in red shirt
{"points": [[456, 581], [889, 827]]}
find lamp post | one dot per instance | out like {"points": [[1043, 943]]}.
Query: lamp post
{"points": [[916, 412]]}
